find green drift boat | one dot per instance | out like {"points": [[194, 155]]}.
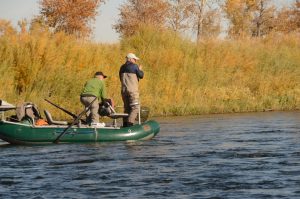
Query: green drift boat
{"points": [[16, 132]]}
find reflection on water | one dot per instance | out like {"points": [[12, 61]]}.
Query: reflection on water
{"points": [[253, 155]]}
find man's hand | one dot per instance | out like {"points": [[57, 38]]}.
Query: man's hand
{"points": [[140, 67]]}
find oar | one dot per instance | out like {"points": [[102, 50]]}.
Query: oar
{"points": [[74, 121], [64, 110]]}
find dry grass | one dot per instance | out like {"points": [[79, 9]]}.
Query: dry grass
{"points": [[181, 78]]}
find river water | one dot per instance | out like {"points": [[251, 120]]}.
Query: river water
{"points": [[253, 155]]}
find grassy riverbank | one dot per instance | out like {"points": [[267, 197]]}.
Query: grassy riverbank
{"points": [[181, 78]]}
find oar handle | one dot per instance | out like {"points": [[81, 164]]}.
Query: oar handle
{"points": [[74, 121]]}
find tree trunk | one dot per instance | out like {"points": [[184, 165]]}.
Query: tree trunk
{"points": [[201, 5]]}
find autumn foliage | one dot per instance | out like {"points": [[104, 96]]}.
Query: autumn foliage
{"points": [[71, 16], [257, 71], [258, 18], [181, 78], [136, 13]]}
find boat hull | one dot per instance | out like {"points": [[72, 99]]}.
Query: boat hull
{"points": [[18, 133]]}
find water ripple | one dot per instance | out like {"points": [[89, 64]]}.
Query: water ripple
{"points": [[215, 156]]}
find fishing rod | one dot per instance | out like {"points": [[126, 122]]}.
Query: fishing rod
{"points": [[64, 110]]}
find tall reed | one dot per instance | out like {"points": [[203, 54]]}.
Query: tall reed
{"points": [[181, 77]]}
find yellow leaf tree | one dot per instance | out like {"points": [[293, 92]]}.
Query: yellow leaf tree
{"points": [[70, 16], [134, 13], [288, 19], [179, 14], [206, 18], [249, 17]]}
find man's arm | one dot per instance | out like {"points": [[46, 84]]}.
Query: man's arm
{"points": [[139, 72], [103, 94]]}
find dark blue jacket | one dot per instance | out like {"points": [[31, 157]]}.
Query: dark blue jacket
{"points": [[129, 76], [130, 67]]}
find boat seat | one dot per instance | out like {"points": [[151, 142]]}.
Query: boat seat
{"points": [[118, 115], [51, 121], [107, 110], [115, 116]]}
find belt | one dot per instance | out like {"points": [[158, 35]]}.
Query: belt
{"points": [[87, 95]]}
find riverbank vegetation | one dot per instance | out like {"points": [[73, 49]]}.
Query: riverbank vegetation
{"points": [[181, 78], [255, 68]]}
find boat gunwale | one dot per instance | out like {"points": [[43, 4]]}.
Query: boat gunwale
{"points": [[59, 126]]}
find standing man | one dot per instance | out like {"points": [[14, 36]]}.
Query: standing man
{"points": [[130, 73], [94, 87]]}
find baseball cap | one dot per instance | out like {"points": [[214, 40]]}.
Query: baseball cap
{"points": [[132, 56]]}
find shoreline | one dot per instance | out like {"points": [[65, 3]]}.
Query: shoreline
{"points": [[227, 113]]}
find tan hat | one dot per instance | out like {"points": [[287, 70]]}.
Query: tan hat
{"points": [[132, 56]]}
